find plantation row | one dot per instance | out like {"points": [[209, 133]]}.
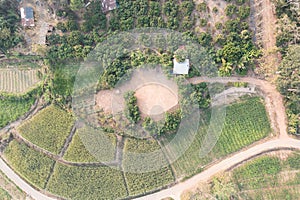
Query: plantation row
{"points": [[238, 132], [17, 81], [48, 129]]}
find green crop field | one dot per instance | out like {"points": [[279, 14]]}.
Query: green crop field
{"points": [[87, 183], [48, 129], [265, 178], [30, 164], [279, 177], [252, 124], [17, 81], [78, 152], [140, 183], [13, 108]]}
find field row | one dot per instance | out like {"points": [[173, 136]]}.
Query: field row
{"points": [[17, 81]]}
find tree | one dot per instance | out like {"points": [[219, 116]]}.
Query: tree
{"points": [[289, 85], [132, 111], [180, 55], [76, 4]]}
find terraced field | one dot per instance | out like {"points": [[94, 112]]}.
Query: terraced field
{"points": [[17, 81], [48, 129]]}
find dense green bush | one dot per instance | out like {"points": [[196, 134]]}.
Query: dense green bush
{"points": [[132, 111]]}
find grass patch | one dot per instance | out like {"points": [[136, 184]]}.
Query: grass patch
{"points": [[48, 129], [30, 164], [145, 179], [87, 183], [78, 152], [13, 108], [251, 125], [4, 195]]}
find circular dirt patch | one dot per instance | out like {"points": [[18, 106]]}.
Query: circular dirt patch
{"points": [[155, 99]]}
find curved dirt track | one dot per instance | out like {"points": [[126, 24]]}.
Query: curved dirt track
{"points": [[276, 110]]}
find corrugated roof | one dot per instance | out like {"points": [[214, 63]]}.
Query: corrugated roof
{"points": [[29, 12], [181, 68]]}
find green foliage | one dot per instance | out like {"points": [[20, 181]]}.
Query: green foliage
{"points": [[9, 25], [48, 129], [76, 4], [202, 7], [201, 95], [94, 17], [244, 12], [289, 85], [132, 111], [14, 107], [256, 170], [230, 10], [180, 55], [294, 161], [87, 183], [114, 73], [141, 183], [172, 121], [78, 152], [203, 22], [4, 195], [30, 164]]}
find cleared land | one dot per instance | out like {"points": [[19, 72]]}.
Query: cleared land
{"points": [[48, 129], [251, 125], [78, 152], [155, 99], [17, 81], [33, 166]]}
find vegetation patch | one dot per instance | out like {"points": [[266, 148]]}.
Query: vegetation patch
{"points": [[48, 129], [87, 183], [13, 107], [33, 166], [138, 174]]}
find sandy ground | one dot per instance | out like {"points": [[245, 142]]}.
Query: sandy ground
{"points": [[155, 94], [155, 99]]}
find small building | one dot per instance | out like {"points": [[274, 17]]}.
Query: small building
{"points": [[108, 5], [182, 67], [27, 18]]}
